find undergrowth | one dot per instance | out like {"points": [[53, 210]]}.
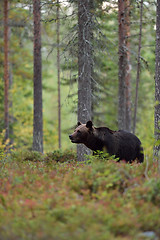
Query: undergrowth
{"points": [[52, 196]]}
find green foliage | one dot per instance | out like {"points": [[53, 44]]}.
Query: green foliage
{"points": [[27, 156], [105, 77], [41, 198], [57, 156], [60, 156], [154, 191]]}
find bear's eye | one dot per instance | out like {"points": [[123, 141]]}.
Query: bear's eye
{"points": [[78, 132]]}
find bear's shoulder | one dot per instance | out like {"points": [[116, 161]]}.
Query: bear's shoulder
{"points": [[105, 130]]}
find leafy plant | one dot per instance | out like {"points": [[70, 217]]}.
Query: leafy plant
{"points": [[47, 196]]}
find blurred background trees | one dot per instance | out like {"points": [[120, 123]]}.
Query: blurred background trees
{"points": [[104, 65]]}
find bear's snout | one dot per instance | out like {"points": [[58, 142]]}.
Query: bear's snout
{"points": [[70, 136]]}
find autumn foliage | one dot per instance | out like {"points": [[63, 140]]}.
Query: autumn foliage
{"points": [[44, 198]]}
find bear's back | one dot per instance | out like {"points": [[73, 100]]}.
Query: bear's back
{"points": [[128, 145], [122, 144]]}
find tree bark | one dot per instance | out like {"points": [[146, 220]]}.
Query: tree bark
{"points": [[124, 101], [58, 77], [157, 87], [6, 70], [121, 74], [128, 115], [138, 68], [85, 66], [38, 117], [11, 115]]}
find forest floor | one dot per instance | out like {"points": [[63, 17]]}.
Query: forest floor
{"points": [[54, 197]]}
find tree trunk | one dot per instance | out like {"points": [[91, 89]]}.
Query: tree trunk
{"points": [[121, 74], [157, 86], [38, 118], [124, 103], [6, 70], [58, 77], [128, 114], [138, 68], [85, 66], [11, 116]]}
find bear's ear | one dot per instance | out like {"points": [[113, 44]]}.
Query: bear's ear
{"points": [[79, 123], [89, 124]]}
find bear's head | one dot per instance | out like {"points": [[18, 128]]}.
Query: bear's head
{"points": [[82, 132]]}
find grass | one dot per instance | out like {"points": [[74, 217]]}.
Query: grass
{"points": [[52, 196]]}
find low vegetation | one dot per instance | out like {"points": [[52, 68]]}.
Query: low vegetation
{"points": [[53, 196]]}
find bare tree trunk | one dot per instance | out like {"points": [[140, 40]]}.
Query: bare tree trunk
{"points": [[85, 66], [58, 76], [138, 67], [157, 87], [121, 74], [124, 104], [38, 118], [11, 116], [128, 114], [6, 70]]}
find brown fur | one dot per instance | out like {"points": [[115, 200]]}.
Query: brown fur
{"points": [[122, 144]]}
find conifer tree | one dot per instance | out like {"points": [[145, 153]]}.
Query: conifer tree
{"points": [[84, 66], [6, 70], [124, 108], [58, 75], [157, 85], [38, 118]]}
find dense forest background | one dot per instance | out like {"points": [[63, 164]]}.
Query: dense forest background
{"points": [[100, 60], [105, 70]]}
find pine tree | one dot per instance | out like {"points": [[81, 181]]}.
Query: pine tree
{"points": [[58, 75], [138, 67], [84, 66], [128, 114], [6, 70], [124, 108], [157, 84], [38, 118]]}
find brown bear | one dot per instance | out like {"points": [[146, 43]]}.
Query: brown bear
{"points": [[124, 145]]}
